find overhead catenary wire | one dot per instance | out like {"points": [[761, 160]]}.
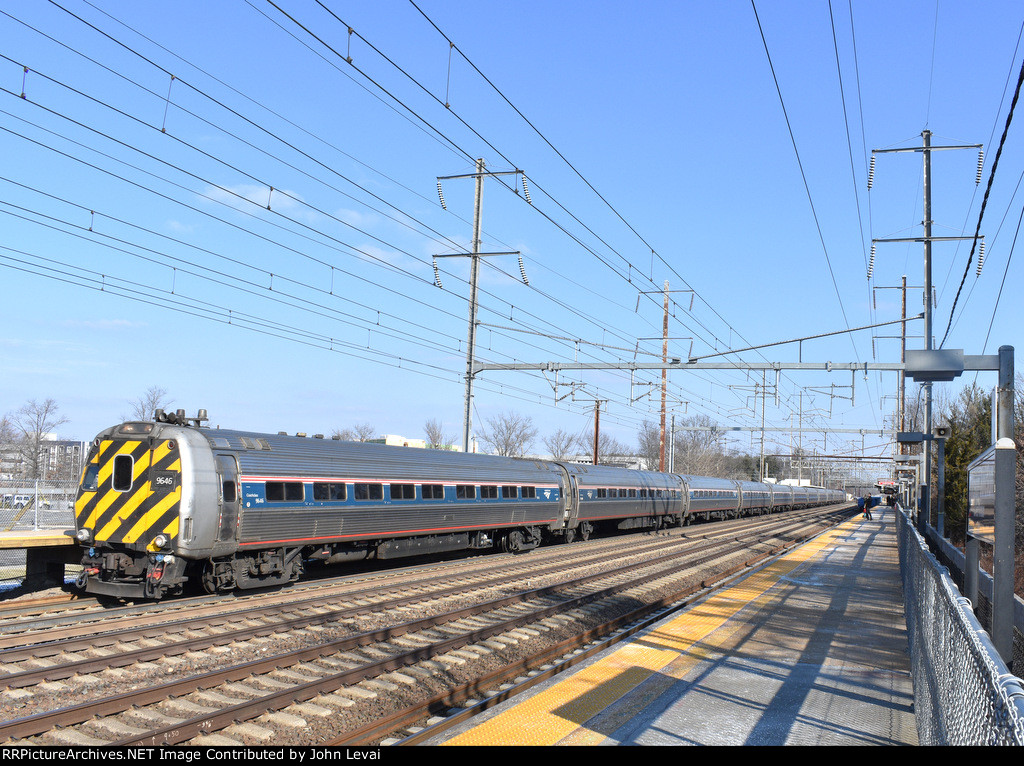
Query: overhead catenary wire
{"points": [[309, 31], [636, 271], [984, 201], [558, 153]]}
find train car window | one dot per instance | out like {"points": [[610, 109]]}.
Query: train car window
{"points": [[465, 491], [285, 491], [123, 465], [90, 481], [510, 493], [228, 492], [329, 490], [528, 493], [602, 492], [403, 491], [488, 491], [632, 493], [433, 492], [369, 491]]}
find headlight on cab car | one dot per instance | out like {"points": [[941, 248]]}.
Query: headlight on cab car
{"points": [[84, 535]]}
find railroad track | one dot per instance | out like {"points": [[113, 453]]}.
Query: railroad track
{"points": [[306, 666]]}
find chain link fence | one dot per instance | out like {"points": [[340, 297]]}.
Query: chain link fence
{"points": [[26, 506], [963, 691]]}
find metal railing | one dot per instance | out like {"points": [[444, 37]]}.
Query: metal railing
{"points": [[964, 693]]}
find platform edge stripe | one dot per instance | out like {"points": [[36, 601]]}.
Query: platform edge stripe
{"points": [[534, 721]]}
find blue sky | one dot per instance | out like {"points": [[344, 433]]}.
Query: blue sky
{"points": [[256, 235]]}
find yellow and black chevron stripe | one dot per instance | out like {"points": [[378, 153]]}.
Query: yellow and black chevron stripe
{"points": [[138, 515]]}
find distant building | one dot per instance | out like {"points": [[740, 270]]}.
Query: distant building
{"points": [[10, 463], [60, 461], [395, 440], [634, 462]]}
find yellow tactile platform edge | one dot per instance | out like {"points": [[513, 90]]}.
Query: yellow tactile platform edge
{"points": [[558, 715]]}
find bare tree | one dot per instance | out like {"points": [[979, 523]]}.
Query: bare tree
{"points": [[561, 444], [608, 446], [436, 437], [33, 423], [649, 443], [364, 431], [509, 434], [698, 450], [360, 432], [143, 408]]}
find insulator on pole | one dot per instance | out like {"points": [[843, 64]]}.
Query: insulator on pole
{"points": [[437, 275], [440, 195], [871, 263], [522, 269], [981, 163], [981, 257], [526, 190], [871, 172]]}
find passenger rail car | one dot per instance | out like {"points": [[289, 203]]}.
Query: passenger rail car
{"points": [[167, 502]]}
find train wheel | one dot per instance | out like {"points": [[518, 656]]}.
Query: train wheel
{"points": [[512, 542], [208, 580], [217, 577], [570, 535], [585, 529]]}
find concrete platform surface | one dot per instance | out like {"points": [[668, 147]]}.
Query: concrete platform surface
{"points": [[810, 649]]}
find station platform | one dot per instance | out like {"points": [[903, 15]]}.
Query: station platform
{"points": [[810, 649], [37, 538], [47, 552]]}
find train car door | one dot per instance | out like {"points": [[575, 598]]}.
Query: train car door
{"points": [[570, 498], [227, 497]]}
